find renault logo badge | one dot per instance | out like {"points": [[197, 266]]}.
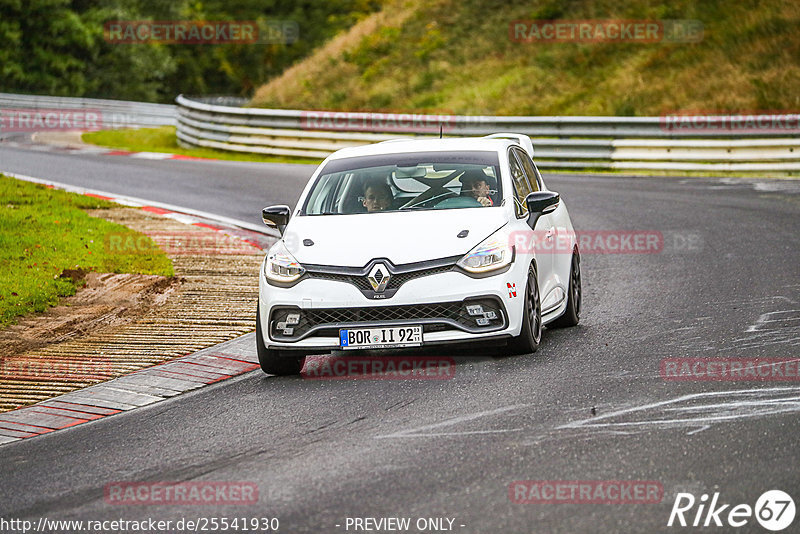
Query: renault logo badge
{"points": [[378, 277]]}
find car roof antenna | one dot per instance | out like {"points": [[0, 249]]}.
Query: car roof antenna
{"points": [[440, 130]]}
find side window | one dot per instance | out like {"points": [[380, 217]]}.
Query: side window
{"points": [[317, 199], [538, 176], [338, 197], [530, 169], [521, 185]]}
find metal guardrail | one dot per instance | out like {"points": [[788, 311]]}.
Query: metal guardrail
{"points": [[624, 143], [112, 114]]}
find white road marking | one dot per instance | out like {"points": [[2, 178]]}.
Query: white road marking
{"points": [[771, 403], [765, 318], [415, 432], [151, 155]]}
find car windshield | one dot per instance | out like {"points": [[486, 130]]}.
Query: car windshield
{"points": [[406, 182]]}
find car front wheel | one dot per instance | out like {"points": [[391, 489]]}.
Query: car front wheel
{"points": [[531, 334], [572, 314], [274, 362]]}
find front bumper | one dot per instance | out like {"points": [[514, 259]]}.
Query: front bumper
{"points": [[317, 308]]}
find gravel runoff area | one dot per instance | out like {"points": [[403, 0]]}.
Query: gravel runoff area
{"points": [[118, 324]]}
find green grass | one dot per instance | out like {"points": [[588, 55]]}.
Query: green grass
{"points": [[163, 139], [45, 231], [455, 57]]}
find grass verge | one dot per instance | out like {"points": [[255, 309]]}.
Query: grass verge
{"points": [[466, 57], [163, 139], [44, 232]]}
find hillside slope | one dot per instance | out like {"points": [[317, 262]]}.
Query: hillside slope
{"points": [[456, 56]]}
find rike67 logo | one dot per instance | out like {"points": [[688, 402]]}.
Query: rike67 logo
{"points": [[774, 510]]}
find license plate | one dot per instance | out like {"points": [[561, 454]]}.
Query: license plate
{"points": [[381, 338]]}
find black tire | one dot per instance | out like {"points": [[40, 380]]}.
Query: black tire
{"points": [[275, 362], [572, 315], [530, 336]]}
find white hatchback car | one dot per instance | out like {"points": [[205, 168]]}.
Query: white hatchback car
{"points": [[418, 242]]}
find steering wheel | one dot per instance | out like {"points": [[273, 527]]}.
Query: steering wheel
{"points": [[458, 202]]}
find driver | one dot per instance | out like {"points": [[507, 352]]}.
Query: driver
{"points": [[474, 184], [377, 196]]}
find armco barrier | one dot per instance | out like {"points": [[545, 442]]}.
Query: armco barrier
{"points": [[115, 113], [623, 143], [615, 143]]}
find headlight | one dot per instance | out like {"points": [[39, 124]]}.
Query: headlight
{"points": [[281, 266], [493, 253]]}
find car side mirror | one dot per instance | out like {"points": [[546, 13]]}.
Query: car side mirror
{"points": [[542, 201], [539, 203], [276, 216]]}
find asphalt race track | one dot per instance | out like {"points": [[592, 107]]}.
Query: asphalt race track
{"points": [[229, 188], [590, 405]]}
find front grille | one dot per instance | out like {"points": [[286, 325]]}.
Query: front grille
{"points": [[378, 314], [325, 322], [399, 279], [360, 282], [396, 280]]}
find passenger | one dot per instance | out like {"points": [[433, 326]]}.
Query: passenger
{"points": [[473, 184], [377, 196]]}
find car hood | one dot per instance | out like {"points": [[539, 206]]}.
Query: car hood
{"points": [[401, 237]]}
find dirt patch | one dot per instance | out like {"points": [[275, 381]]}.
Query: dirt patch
{"points": [[65, 139], [106, 300]]}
